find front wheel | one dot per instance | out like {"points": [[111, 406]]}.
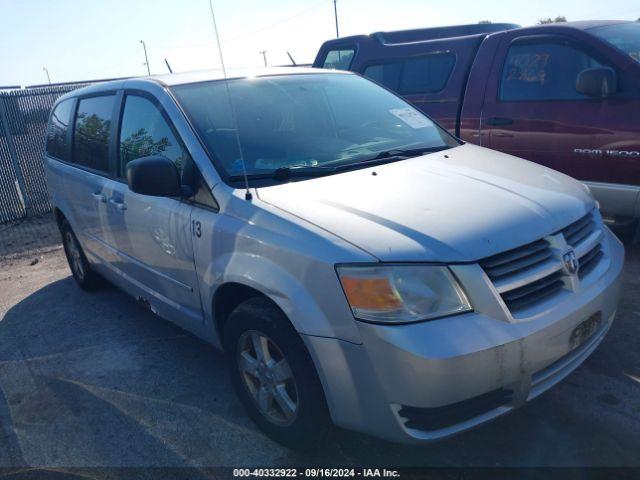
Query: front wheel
{"points": [[274, 376]]}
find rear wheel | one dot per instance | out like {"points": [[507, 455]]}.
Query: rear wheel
{"points": [[274, 376], [80, 268]]}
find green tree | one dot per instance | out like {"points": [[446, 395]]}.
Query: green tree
{"points": [[141, 144], [559, 19], [92, 128]]}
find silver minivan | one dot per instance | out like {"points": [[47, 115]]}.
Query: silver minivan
{"points": [[358, 265]]}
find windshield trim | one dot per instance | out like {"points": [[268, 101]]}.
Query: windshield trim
{"points": [[252, 183]]}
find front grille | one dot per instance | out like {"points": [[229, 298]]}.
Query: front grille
{"points": [[533, 292], [428, 419], [589, 260], [579, 230], [533, 273], [516, 260]]}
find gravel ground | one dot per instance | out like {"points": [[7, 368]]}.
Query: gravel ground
{"points": [[94, 380]]}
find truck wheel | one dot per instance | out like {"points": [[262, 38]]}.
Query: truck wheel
{"points": [[80, 268], [274, 376]]}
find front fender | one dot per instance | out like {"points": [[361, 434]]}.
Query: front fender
{"points": [[324, 313]]}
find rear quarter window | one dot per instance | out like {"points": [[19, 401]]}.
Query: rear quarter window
{"points": [[339, 59], [57, 146], [92, 131], [423, 74]]}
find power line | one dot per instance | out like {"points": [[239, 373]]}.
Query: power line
{"points": [[247, 34], [275, 24]]}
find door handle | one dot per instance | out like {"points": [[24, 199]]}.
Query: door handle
{"points": [[99, 197], [497, 121], [119, 205]]}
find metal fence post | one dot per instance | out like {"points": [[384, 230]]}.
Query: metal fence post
{"points": [[14, 158]]}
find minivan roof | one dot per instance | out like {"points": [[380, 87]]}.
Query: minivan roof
{"points": [[172, 79], [217, 74]]}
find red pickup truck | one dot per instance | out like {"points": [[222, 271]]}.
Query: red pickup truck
{"points": [[563, 95]]}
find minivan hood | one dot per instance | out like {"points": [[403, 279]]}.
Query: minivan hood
{"points": [[458, 205]]}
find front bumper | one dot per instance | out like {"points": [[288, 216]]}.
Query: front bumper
{"points": [[430, 380]]}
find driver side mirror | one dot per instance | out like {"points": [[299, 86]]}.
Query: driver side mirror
{"points": [[597, 82], [155, 175]]}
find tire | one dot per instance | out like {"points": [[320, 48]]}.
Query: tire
{"points": [[285, 400], [86, 278]]}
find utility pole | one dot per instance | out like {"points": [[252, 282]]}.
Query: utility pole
{"points": [[146, 59], [47, 72], [335, 13], [264, 56]]}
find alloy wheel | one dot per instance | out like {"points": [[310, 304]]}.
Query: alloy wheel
{"points": [[75, 257], [267, 376]]}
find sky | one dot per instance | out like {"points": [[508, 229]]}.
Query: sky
{"points": [[92, 39]]}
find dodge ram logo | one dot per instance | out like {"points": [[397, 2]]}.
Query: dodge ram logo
{"points": [[570, 262]]}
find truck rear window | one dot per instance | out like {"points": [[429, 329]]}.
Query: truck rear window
{"points": [[339, 59], [424, 74], [625, 37]]}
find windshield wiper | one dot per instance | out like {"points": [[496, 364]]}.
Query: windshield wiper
{"points": [[393, 155], [286, 173], [408, 152]]}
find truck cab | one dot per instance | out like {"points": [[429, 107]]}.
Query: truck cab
{"points": [[562, 95]]}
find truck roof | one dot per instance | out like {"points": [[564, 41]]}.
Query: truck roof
{"points": [[584, 24], [431, 33], [434, 33]]}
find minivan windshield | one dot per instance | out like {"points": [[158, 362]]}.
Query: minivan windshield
{"points": [[623, 36], [305, 123]]}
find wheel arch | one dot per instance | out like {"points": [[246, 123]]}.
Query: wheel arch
{"points": [[311, 302], [227, 297], [59, 216]]}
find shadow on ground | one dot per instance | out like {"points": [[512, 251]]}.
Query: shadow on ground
{"points": [[96, 380]]}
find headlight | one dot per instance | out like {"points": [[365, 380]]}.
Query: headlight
{"points": [[402, 293]]}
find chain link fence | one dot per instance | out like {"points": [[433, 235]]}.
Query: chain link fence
{"points": [[23, 122]]}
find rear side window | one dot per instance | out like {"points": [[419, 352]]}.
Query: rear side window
{"points": [[387, 74], [543, 71], [624, 36], [425, 74], [339, 59], [57, 130], [145, 132], [92, 130]]}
